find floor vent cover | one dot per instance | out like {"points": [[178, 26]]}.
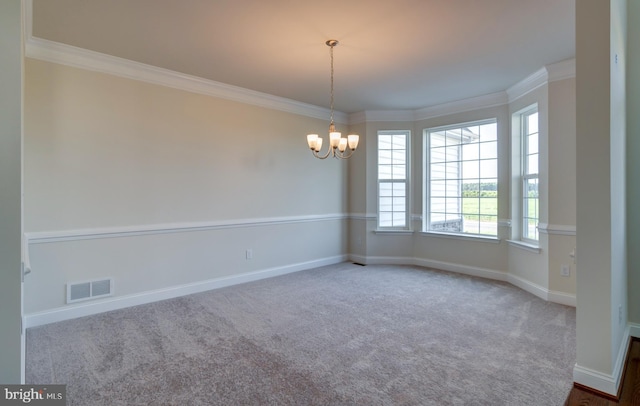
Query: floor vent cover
{"points": [[79, 291]]}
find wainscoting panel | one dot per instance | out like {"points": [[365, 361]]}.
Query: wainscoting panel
{"points": [[154, 263]]}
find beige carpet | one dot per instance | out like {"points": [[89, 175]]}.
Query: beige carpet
{"points": [[338, 335]]}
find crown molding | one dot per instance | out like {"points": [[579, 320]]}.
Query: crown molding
{"points": [[562, 70], [63, 54], [382, 115], [459, 106], [530, 83]]}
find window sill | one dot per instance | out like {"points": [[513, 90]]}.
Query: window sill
{"points": [[525, 246], [481, 238], [391, 232]]}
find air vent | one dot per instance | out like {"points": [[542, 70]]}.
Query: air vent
{"points": [[79, 291]]}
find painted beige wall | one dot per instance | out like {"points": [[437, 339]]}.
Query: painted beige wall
{"points": [[562, 182], [106, 151], [106, 154], [10, 185], [562, 152], [595, 229]]}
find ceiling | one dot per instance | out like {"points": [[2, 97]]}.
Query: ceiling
{"points": [[393, 55]]}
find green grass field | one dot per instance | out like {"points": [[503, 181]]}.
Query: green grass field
{"points": [[488, 207]]}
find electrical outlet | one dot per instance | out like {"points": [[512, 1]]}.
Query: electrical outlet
{"points": [[565, 270], [249, 254]]}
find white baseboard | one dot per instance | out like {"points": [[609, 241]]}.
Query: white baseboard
{"points": [[529, 286], [463, 269], [360, 259], [385, 260], [595, 380], [535, 289], [566, 299], [634, 330], [121, 302], [114, 303], [604, 382]]}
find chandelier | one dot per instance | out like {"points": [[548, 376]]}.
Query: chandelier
{"points": [[337, 144]]}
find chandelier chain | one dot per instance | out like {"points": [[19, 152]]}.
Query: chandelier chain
{"points": [[331, 104]]}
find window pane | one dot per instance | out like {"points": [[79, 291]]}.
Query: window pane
{"points": [[399, 189], [489, 206], [489, 150], [384, 157], [453, 170], [399, 219], [438, 154], [532, 123], [532, 144], [532, 164], [385, 189], [470, 169], [398, 204], [437, 140], [489, 132], [384, 142], [530, 209], [385, 203], [392, 175], [385, 219], [399, 141], [398, 172], [453, 153], [453, 136], [471, 151], [399, 157], [438, 171], [384, 171], [489, 168], [438, 188], [471, 157]]}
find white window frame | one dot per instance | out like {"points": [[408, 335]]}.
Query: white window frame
{"points": [[393, 182], [427, 209], [526, 176]]}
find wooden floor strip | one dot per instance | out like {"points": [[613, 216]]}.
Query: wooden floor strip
{"points": [[630, 394]]}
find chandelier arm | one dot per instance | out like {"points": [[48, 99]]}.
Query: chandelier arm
{"points": [[343, 156], [325, 156]]}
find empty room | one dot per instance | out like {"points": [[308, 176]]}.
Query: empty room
{"points": [[359, 202]]}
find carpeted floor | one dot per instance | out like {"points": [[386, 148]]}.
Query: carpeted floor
{"points": [[337, 335]]}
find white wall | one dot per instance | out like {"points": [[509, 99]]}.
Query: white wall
{"points": [[633, 163], [10, 185], [160, 188], [600, 116], [593, 185], [561, 232], [617, 60]]}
